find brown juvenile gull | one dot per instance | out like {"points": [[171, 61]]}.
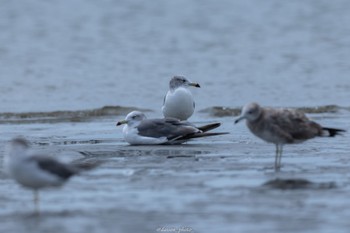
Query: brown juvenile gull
{"points": [[178, 102], [282, 126], [139, 130], [37, 171]]}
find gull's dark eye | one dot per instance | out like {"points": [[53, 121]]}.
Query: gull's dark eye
{"points": [[134, 117], [183, 80]]}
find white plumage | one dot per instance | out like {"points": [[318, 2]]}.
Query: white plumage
{"points": [[178, 102]]}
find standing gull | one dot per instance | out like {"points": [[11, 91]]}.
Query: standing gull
{"points": [[36, 171], [142, 131], [178, 102], [282, 126]]}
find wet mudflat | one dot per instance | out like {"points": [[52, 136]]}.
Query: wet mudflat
{"points": [[216, 184]]}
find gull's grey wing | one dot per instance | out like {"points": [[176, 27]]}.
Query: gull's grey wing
{"points": [[53, 166], [167, 127]]}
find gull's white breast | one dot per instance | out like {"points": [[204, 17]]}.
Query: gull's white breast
{"points": [[132, 137], [178, 104]]}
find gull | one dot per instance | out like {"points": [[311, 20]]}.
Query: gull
{"points": [[139, 130], [282, 126], [35, 171], [178, 102]]}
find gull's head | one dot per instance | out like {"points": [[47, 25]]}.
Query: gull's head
{"points": [[134, 117], [19, 142], [250, 112], [180, 81], [16, 146]]}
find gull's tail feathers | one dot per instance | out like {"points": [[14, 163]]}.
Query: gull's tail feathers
{"points": [[85, 165]]}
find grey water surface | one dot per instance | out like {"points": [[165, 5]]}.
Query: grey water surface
{"points": [[69, 70]]}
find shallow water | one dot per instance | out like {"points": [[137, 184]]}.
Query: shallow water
{"points": [[55, 57], [69, 71]]}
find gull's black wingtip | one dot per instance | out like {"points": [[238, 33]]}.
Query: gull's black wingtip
{"points": [[333, 132], [201, 135], [206, 128]]}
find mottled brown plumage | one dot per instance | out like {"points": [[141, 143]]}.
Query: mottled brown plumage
{"points": [[282, 126]]}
